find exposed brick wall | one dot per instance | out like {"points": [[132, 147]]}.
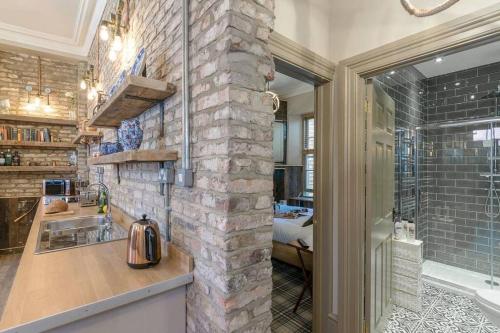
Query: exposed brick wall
{"points": [[18, 69], [225, 220]]}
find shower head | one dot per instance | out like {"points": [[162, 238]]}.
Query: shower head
{"points": [[493, 94]]}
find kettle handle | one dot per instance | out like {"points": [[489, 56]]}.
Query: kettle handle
{"points": [[151, 240]]}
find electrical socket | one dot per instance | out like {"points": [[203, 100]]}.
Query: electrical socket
{"points": [[184, 178]]}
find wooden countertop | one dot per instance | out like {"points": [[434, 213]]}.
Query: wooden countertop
{"points": [[56, 288]]}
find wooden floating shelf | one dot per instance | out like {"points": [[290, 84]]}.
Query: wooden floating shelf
{"points": [[136, 95], [36, 168], [36, 144], [153, 155], [88, 136], [38, 120]]}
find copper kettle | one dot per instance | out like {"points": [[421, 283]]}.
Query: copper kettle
{"points": [[144, 243]]}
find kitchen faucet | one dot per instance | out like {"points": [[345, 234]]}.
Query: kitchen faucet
{"points": [[108, 200]]}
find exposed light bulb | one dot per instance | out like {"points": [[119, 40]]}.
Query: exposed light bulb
{"points": [[104, 32], [439, 60], [92, 93], [112, 55], [117, 43], [37, 102], [393, 72], [83, 84], [47, 108], [98, 87], [30, 107]]}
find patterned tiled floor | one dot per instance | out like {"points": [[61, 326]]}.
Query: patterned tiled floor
{"points": [[443, 312], [287, 285]]}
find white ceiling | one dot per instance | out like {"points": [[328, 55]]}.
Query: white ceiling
{"points": [[286, 86], [478, 56], [61, 27]]}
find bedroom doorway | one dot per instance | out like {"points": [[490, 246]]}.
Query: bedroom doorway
{"points": [[294, 156], [304, 65]]}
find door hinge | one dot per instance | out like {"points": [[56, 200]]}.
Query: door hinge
{"points": [[366, 105]]}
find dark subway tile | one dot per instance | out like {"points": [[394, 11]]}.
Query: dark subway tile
{"points": [[488, 69], [467, 106], [446, 78], [467, 74], [487, 87], [456, 99], [467, 90], [446, 93]]}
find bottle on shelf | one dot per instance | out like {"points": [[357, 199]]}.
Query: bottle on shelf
{"points": [[72, 159], [411, 231], [398, 226], [16, 159], [8, 158], [103, 208], [2, 158]]}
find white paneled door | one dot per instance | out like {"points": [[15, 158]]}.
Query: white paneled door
{"points": [[380, 128]]}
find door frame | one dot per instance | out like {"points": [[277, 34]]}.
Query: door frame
{"points": [[311, 67], [349, 144]]}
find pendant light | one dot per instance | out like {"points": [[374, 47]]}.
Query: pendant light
{"points": [[113, 29], [275, 97], [117, 44], [37, 101], [38, 98], [104, 31], [47, 108], [422, 12]]}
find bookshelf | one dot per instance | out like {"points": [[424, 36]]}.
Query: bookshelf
{"points": [[38, 168], [37, 144], [38, 120]]}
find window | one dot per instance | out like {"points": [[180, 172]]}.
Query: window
{"points": [[308, 155]]}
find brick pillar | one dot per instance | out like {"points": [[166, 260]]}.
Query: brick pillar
{"points": [[225, 220]]}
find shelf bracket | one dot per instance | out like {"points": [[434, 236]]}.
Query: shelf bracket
{"points": [[162, 109], [118, 179], [162, 119], [162, 178]]}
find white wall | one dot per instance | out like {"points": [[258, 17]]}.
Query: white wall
{"points": [[361, 25], [297, 106], [306, 22], [340, 29]]}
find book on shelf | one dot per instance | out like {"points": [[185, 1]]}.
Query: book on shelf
{"points": [[25, 134]]}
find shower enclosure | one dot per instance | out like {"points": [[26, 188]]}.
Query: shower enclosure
{"points": [[447, 169], [451, 171]]}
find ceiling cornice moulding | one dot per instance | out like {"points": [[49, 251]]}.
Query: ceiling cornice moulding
{"points": [[77, 46]]}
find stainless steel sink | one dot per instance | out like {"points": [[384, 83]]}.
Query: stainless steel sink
{"points": [[75, 232]]}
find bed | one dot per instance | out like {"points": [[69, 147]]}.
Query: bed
{"points": [[286, 230]]}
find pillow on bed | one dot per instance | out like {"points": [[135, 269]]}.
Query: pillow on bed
{"points": [[308, 222]]}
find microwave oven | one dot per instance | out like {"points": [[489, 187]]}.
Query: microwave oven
{"points": [[58, 187]]}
